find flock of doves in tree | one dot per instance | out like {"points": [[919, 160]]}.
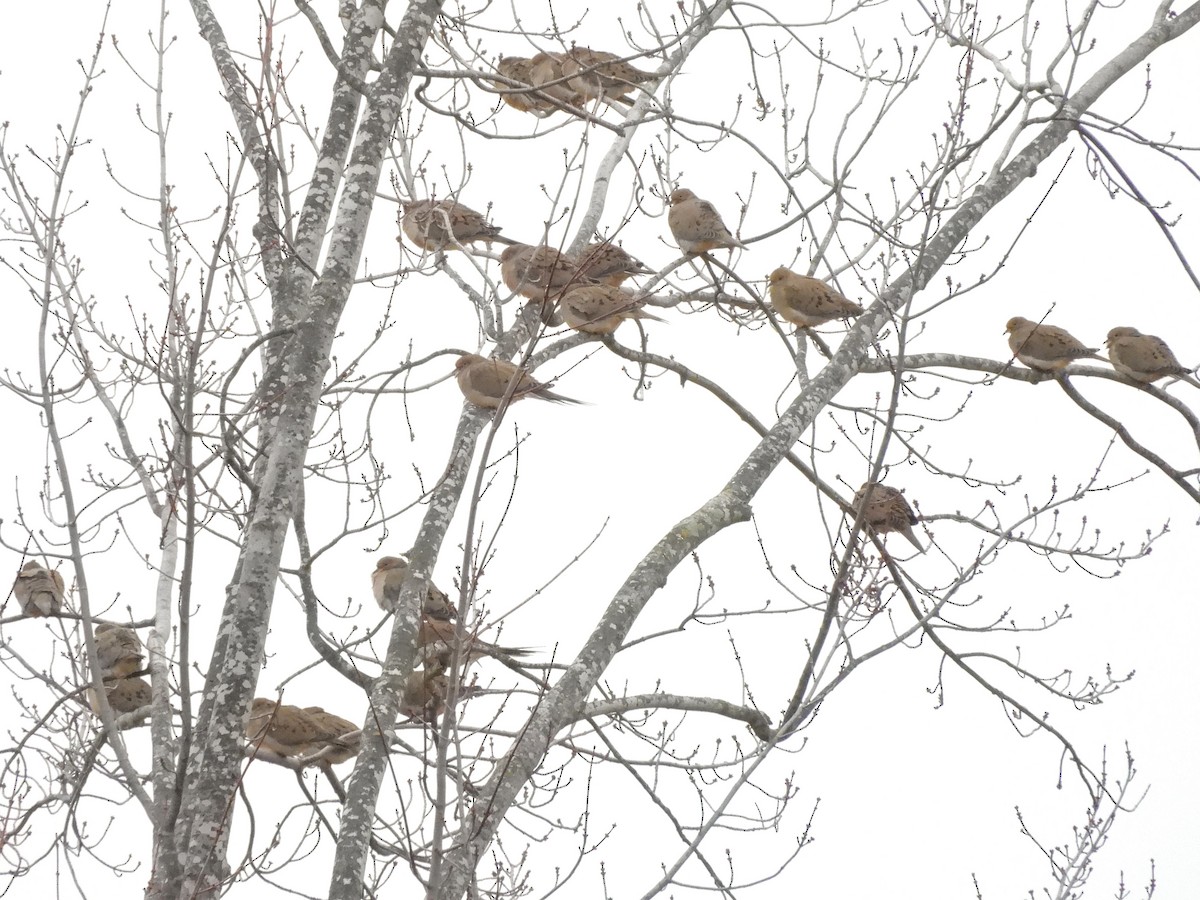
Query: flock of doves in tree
{"points": [[584, 292]]}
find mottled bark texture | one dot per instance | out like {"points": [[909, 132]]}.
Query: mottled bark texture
{"points": [[307, 314]]}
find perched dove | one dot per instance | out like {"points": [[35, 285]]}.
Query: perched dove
{"points": [[387, 579], [599, 75], [346, 737], [484, 382], [425, 225], [546, 73], [697, 225], [518, 68], [600, 308], [1144, 357], [538, 272], [438, 635], [118, 650], [807, 302], [125, 695], [39, 590], [887, 511], [606, 262], [291, 731], [425, 692], [1045, 347]]}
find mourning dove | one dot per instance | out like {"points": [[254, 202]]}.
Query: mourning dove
{"points": [[484, 382], [1045, 347], [118, 650], [599, 75], [807, 302], [538, 272], [607, 263], [887, 511], [347, 738], [518, 68], [546, 72], [600, 308], [697, 225], [425, 224], [437, 635], [389, 576], [1144, 357], [425, 692], [39, 590], [291, 731], [125, 695]]}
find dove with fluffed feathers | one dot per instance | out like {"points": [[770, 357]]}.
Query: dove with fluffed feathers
{"points": [[1046, 348], [425, 692], [518, 68], [125, 695], [346, 738], [600, 308], [1144, 357], [600, 75], [118, 650], [540, 273], [446, 225], [387, 579], [806, 301], [696, 225], [546, 73], [887, 511], [39, 590], [484, 382], [605, 262], [292, 732]]}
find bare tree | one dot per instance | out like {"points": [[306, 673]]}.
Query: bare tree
{"points": [[268, 404]]}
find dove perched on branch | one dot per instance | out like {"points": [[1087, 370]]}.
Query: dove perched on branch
{"points": [[600, 75], [605, 262], [807, 302], [484, 382], [886, 511], [387, 579], [1144, 357], [444, 224], [290, 731], [125, 695], [696, 224], [118, 650], [346, 738], [518, 68], [1046, 348], [39, 590], [600, 308]]}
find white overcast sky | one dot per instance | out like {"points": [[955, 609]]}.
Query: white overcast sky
{"points": [[913, 798]]}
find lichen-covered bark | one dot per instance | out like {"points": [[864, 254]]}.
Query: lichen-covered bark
{"points": [[292, 384], [732, 504]]}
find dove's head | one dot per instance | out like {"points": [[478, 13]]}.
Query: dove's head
{"points": [[780, 275], [1016, 322], [467, 359], [681, 196], [386, 563], [1122, 331]]}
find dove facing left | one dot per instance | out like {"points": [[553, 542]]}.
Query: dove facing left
{"points": [[1144, 357], [1046, 348], [484, 382]]}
